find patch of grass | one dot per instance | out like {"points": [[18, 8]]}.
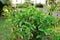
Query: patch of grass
{"points": [[4, 30]]}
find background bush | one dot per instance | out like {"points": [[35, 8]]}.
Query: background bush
{"points": [[39, 5]]}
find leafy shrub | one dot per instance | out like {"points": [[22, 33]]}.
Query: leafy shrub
{"points": [[30, 24]]}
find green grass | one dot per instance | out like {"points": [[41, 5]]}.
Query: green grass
{"points": [[4, 30], [2, 22]]}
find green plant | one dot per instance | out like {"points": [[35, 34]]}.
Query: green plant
{"points": [[52, 6], [30, 23]]}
